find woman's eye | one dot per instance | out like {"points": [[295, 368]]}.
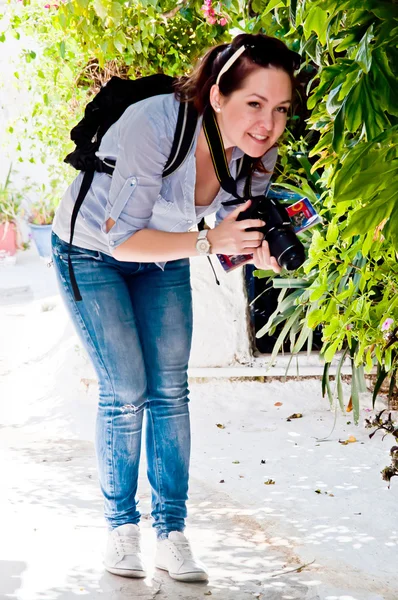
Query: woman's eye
{"points": [[254, 104], [282, 109]]}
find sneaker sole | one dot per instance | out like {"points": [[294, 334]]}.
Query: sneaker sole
{"points": [[185, 576], [126, 572]]}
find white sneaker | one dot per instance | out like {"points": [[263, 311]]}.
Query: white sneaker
{"points": [[123, 554], [174, 555]]}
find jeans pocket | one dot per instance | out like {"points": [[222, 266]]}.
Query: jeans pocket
{"points": [[61, 251]]}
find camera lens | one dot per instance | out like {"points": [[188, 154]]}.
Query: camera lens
{"points": [[287, 249]]}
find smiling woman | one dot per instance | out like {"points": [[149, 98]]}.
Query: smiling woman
{"points": [[133, 237]]}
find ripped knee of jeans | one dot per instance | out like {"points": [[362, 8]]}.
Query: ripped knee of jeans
{"points": [[131, 409]]}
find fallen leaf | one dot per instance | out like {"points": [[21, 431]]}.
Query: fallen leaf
{"points": [[220, 425], [351, 440], [241, 476], [236, 462], [349, 407], [263, 461], [269, 482], [295, 416], [318, 492], [222, 480], [208, 593], [278, 404], [332, 495]]}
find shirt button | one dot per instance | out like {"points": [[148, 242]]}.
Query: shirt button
{"points": [[189, 221], [133, 181], [112, 243]]}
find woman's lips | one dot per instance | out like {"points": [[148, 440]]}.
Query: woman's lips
{"points": [[256, 137]]}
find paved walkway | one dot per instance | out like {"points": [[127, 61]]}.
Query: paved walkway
{"points": [[327, 529]]}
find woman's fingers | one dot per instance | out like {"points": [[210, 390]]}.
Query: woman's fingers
{"points": [[249, 223], [263, 260]]}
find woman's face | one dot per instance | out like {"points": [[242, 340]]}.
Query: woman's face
{"points": [[254, 117]]}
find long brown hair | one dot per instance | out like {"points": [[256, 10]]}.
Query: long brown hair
{"points": [[261, 51]]}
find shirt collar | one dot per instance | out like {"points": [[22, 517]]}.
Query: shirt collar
{"points": [[237, 153]]}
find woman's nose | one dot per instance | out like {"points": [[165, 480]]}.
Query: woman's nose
{"points": [[268, 122]]}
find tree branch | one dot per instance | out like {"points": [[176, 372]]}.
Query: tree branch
{"points": [[172, 13]]}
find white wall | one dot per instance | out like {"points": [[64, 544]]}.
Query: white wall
{"points": [[221, 330]]}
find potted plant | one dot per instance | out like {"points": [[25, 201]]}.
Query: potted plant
{"points": [[41, 216], [10, 202]]}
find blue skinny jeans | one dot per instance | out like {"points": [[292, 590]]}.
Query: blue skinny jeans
{"points": [[135, 322]]}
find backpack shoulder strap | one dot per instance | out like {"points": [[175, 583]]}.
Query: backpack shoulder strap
{"points": [[183, 137], [85, 186]]}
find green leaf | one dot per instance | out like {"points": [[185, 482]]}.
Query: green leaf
{"points": [[137, 46], [355, 393], [339, 385], [374, 118], [116, 13], [303, 337], [264, 7], [352, 164], [331, 351], [101, 8], [281, 338], [385, 82], [364, 53], [315, 20], [314, 318], [338, 129], [120, 41], [390, 231], [333, 103], [292, 12], [366, 219], [62, 49], [367, 182], [354, 117], [326, 384], [381, 376]]}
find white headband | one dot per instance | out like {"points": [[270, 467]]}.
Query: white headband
{"points": [[230, 62]]}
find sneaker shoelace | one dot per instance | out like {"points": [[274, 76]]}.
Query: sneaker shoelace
{"points": [[185, 549], [129, 544]]}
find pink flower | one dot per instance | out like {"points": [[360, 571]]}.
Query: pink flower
{"points": [[349, 326], [387, 324], [223, 21], [211, 20]]}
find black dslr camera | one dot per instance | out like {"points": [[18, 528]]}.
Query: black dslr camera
{"points": [[278, 231]]}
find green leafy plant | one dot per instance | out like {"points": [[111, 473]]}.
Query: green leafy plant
{"points": [[42, 210], [349, 283], [10, 200]]}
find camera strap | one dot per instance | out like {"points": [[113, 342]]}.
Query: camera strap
{"points": [[219, 159]]}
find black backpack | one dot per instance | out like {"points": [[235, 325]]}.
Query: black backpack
{"points": [[103, 111]]}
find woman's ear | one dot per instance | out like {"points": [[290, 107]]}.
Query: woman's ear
{"points": [[215, 97]]}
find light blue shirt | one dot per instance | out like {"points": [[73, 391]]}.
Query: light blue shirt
{"points": [[137, 196]]}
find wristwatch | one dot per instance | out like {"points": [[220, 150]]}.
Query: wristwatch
{"points": [[202, 244]]}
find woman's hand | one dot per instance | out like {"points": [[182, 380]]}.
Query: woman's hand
{"points": [[231, 237], [263, 260]]}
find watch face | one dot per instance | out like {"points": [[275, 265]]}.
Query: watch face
{"points": [[203, 246]]}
